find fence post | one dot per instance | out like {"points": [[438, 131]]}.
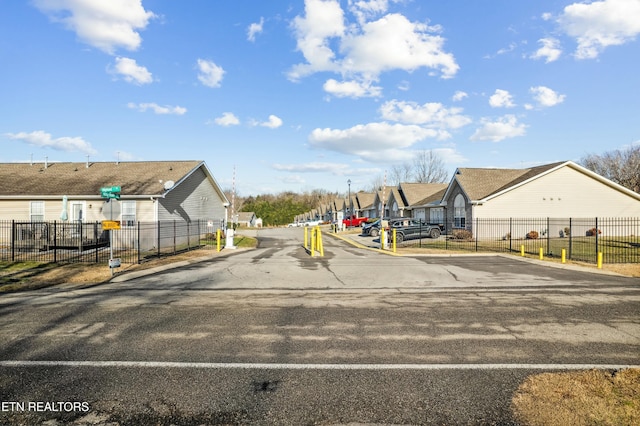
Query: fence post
{"points": [[13, 240], [570, 237], [548, 238], [477, 234], [188, 237], [174, 236], [158, 238], [510, 234], [95, 238], [597, 232], [55, 241], [138, 239]]}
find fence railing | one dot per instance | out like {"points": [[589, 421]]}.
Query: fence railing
{"points": [[618, 239], [83, 242]]}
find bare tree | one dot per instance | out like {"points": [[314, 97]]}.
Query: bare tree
{"points": [[428, 167], [621, 166], [400, 173]]}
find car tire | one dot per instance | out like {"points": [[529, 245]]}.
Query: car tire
{"points": [[435, 233], [373, 232], [399, 238]]}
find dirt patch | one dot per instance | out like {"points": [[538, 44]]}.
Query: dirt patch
{"points": [[32, 275], [593, 397]]}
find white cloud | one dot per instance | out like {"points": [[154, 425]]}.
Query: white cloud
{"points": [[42, 139], [273, 123], [362, 51], [333, 168], [495, 131], [323, 20], [131, 72], [600, 24], [376, 142], [459, 95], [393, 42], [433, 115], [546, 97], [368, 9], [254, 28], [352, 89], [501, 99], [106, 25], [166, 109], [550, 50], [210, 74], [227, 119]]}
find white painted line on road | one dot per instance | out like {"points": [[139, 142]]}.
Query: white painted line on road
{"points": [[277, 366]]}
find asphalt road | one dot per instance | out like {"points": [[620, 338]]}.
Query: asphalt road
{"points": [[273, 336]]}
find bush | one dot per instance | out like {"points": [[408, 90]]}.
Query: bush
{"points": [[567, 231], [462, 234], [533, 235], [592, 232]]}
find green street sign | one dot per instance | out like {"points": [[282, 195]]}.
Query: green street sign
{"points": [[110, 195], [110, 189]]}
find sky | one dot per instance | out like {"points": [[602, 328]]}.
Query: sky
{"points": [[310, 94]]}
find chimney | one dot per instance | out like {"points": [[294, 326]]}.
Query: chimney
{"points": [[87, 166], [46, 162]]}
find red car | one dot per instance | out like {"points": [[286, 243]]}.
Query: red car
{"points": [[354, 221]]}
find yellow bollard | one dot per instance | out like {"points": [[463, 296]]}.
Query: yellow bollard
{"points": [[320, 245], [306, 232], [600, 260], [313, 241], [541, 253], [564, 256], [394, 240], [522, 250], [218, 239]]}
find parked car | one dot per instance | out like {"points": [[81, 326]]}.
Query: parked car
{"points": [[312, 223], [371, 228], [354, 221], [407, 228]]}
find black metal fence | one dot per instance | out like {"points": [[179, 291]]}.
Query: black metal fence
{"points": [[82, 242], [618, 239]]}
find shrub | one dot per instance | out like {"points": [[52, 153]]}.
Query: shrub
{"points": [[592, 232], [567, 231], [533, 235], [462, 234]]}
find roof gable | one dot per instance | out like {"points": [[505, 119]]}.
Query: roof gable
{"points": [[480, 183], [144, 178], [422, 193]]}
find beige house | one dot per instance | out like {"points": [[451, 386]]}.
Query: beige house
{"points": [[557, 190], [365, 204], [151, 191], [423, 200]]}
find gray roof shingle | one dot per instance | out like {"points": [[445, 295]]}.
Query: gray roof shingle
{"points": [[135, 178]]}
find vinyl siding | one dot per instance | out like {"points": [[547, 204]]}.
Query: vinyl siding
{"points": [[192, 199], [565, 192]]}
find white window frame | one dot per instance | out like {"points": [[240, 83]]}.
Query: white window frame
{"points": [[36, 208], [128, 213], [436, 215], [459, 212]]}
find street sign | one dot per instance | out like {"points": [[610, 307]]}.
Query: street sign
{"points": [[110, 224], [110, 189], [110, 195]]}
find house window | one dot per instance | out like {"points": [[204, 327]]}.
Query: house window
{"points": [[459, 212], [36, 212], [128, 213], [436, 215]]}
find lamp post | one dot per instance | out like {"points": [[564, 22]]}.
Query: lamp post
{"points": [[349, 200]]}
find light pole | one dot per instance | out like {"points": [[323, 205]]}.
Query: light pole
{"points": [[349, 199]]}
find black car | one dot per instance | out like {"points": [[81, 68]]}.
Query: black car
{"points": [[371, 228], [407, 228]]}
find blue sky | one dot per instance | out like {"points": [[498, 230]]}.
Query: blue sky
{"points": [[298, 95]]}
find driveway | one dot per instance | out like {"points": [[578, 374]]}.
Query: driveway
{"points": [[273, 336]]}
